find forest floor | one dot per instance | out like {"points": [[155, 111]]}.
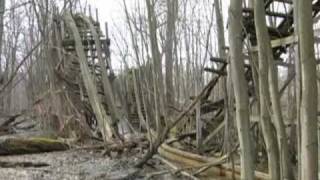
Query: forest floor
{"points": [[67, 165], [75, 164]]}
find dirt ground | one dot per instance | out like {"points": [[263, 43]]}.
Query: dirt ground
{"points": [[75, 164], [68, 165]]}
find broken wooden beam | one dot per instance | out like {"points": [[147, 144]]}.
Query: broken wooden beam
{"points": [[5, 164], [269, 13]]}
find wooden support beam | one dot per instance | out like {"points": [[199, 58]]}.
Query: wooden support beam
{"points": [[109, 96], [284, 1], [280, 42], [212, 70], [218, 60], [106, 125], [86, 42], [269, 13]]}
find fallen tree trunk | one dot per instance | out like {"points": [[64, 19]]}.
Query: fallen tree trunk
{"points": [[4, 164], [17, 146]]}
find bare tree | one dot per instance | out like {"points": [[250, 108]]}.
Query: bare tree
{"points": [[268, 71], [172, 9], [309, 98], [240, 89]]}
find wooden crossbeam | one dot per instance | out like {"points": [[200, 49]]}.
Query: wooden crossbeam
{"points": [[284, 1], [269, 13], [212, 70], [280, 42], [285, 41], [218, 60]]}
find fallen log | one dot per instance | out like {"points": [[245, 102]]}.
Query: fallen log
{"points": [[18, 146], [4, 164]]}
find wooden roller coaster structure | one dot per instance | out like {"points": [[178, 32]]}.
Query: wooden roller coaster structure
{"points": [[86, 77]]}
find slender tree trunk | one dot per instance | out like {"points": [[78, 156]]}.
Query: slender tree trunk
{"points": [[170, 34], [309, 98], [297, 86], [240, 89], [265, 55], [2, 9], [222, 54], [267, 128], [157, 62]]}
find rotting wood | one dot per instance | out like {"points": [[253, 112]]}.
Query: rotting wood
{"points": [[4, 164], [15, 146]]}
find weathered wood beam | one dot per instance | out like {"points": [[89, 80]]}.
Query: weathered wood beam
{"points": [[106, 125], [280, 42], [269, 13], [109, 96], [71, 42], [212, 70], [284, 1], [218, 60]]}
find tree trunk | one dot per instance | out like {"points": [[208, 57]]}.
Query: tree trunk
{"points": [[2, 9], [266, 56], [170, 34], [267, 128], [240, 89], [297, 86], [156, 56], [309, 102]]}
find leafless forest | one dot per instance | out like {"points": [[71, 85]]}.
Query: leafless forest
{"points": [[171, 89]]}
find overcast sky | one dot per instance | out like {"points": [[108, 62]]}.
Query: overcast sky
{"points": [[108, 9], [111, 11]]}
